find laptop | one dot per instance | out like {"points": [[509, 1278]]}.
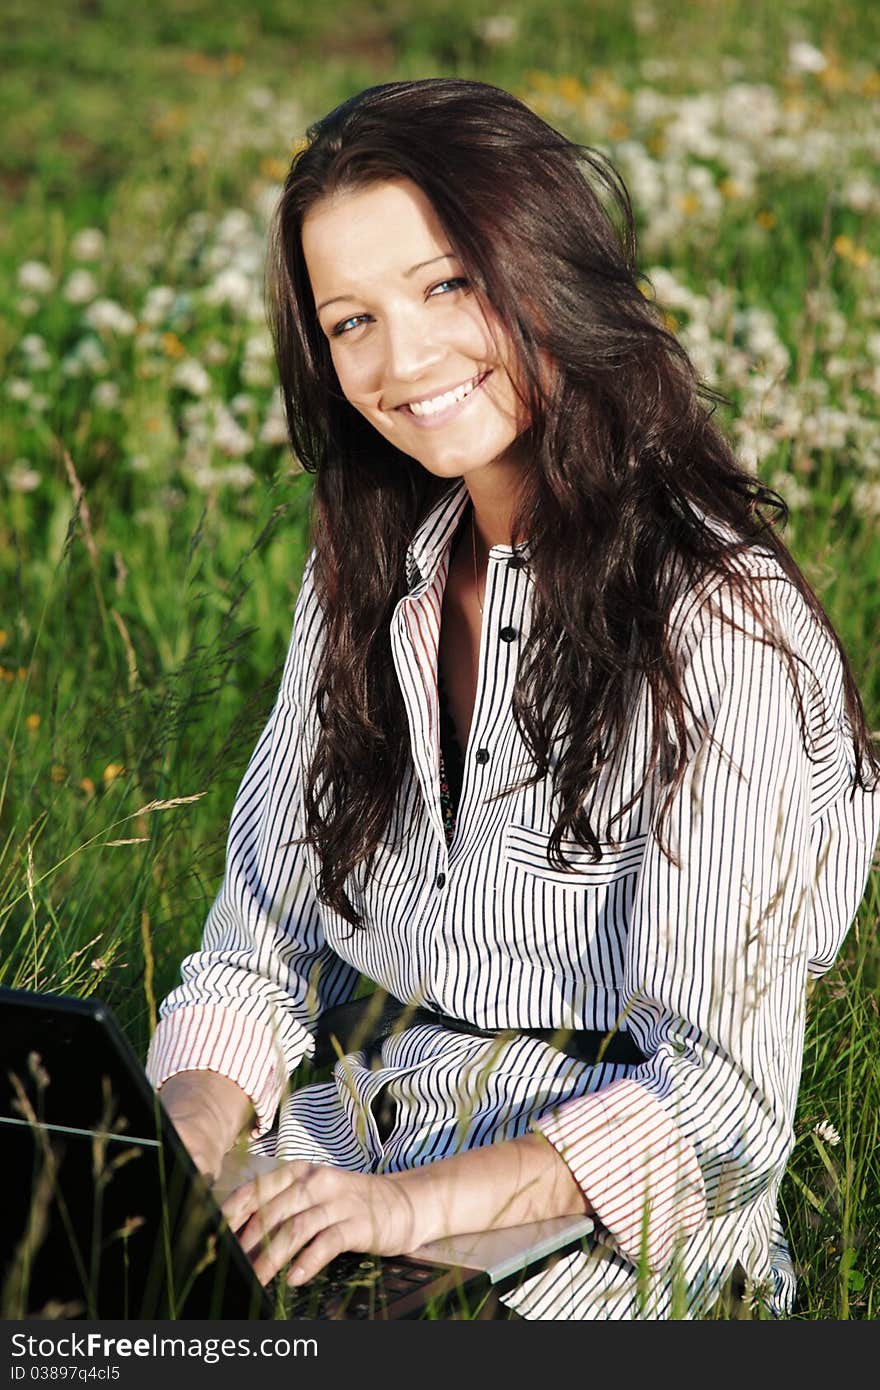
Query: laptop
{"points": [[111, 1218]]}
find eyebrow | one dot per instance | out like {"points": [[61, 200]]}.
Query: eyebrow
{"points": [[338, 298]]}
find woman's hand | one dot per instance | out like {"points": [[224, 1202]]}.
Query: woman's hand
{"points": [[308, 1213], [209, 1112]]}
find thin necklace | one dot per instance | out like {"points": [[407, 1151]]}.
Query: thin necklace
{"points": [[474, 542]]}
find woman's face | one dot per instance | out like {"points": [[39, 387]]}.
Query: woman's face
{"points": [[413, 350]]}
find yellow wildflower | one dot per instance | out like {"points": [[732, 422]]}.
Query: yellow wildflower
{"points": [[272, 168], [33, 722], [111, 772], [172, 346]]}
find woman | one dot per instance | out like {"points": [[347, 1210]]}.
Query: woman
{"points": [[529, 537]]}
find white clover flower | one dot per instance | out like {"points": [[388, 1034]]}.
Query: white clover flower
{"points": [[22, 478], [18, 389], [88, 244], [236, 475], [825, 1130], [860, 194], [241, 403], [107, 316], [191, 376], [274, 427], [34, 348], [234, 227], [872, 343], [81, 287], [28, 306], [229, 436], [266, 201], [498, 29], [35, 277], [261, 98], [232, 287], [157, 304], [106, 394], [791, 490], [866, 498], [87, 356], [214, 352], [671, 294], [805, 57]]}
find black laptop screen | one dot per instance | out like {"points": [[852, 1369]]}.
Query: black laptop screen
{"points": [[110, 1218]]}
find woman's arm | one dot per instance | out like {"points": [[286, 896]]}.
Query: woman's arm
{"points": [[209, 1113], [310, 1212]]}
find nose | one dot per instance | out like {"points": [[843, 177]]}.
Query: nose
{"points": [[411, 350]]}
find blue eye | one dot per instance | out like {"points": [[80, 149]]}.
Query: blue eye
{"points": [[456, 281], [443, 286], [342, 327]]}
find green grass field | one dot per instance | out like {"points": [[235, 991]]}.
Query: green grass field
{"points": [[153, 522]]}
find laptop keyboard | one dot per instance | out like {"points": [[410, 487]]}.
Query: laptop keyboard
{"points": [[356, 1286]]}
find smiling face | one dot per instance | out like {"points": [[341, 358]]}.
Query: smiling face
{"points": [[412, 349]]}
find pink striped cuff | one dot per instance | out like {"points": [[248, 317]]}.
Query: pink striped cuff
{"points": [[212, 1037], [637, 1170]]}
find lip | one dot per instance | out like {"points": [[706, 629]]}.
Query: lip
{"points": [[442, 416]]}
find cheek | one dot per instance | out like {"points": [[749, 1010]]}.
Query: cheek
{"points": [[353, 380]]}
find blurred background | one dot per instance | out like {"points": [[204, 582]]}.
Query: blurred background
{"points": [[153, 520]]}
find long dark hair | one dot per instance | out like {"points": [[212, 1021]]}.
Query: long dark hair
{"points": [[626, 461]]}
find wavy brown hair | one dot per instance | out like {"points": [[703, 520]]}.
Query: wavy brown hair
{"points": [[624, 459]]}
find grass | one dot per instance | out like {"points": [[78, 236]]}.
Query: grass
{"points": [[152, 535]]}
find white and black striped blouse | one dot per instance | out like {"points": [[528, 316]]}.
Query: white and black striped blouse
{"points": [[702, 955]]}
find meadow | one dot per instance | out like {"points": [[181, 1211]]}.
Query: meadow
{"points": [[153, 523]]}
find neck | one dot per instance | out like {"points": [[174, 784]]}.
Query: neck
{"points": [[494, 504]]}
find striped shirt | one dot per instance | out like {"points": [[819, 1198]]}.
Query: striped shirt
{"points": [[701, 953]]}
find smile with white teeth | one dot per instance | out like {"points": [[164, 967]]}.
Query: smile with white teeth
{"points": [[449, 398]]}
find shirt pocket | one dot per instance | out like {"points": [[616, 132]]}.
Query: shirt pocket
{"points": [[525, 849]]}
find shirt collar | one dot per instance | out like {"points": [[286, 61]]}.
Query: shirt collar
{"points": [[435, 531]]}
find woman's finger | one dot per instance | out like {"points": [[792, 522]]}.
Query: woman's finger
{"points": [[311, 1259], [259, 1191], [270, 1255]]}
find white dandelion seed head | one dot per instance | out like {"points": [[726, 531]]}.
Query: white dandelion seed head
{"points": [[106, 394], [106, 316], [88, 244], [22, 477], [36, 277], [191, 376], [825, 1130], [81, 287], [157, 304], [805, 57]]}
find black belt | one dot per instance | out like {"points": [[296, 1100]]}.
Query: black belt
{"points": [[363, 1023]]}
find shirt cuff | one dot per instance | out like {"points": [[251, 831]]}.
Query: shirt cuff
{"points": [[211, 1037], [639, 1173]]}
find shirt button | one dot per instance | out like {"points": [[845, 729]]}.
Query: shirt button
{"points": [[516, 562], [441, 880], [481, 756], [508, 634]]}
